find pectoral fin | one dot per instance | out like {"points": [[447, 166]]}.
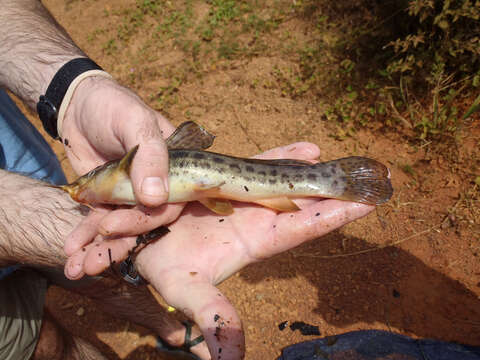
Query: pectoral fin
{"points": [[189, 135], [126, 162], [279, 204], [209, 190], [218, 206]]}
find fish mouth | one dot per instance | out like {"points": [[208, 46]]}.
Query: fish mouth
{"points": [[72, 190]]}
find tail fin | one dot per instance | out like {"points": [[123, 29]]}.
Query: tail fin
{"points": [[366, 180]]}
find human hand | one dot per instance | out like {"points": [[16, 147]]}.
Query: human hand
{"points": [[102, 122], [203, 249]]}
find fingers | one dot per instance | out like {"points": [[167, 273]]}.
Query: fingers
{"points": [[299, 150], [97, 256], [208, 307], [149, 170], [313, 221], [85, 231], [138, 220], [93, 258]]}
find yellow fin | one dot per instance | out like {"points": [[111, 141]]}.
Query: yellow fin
{"points": [[279, 204], [126, 161], [218, 206]]}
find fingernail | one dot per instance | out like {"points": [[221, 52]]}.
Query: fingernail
{"points": [[72, 271], [165, 184], [153, 186]]}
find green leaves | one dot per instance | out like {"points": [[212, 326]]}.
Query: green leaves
{"points": [[450, 32], [475, 107]]}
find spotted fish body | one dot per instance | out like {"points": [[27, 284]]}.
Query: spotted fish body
{"points": [[213, 178], [364, 179]]}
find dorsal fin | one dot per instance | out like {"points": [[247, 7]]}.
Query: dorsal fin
{"points": [[288, 162], [191, 136]]}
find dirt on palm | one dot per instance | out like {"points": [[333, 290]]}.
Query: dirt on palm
{"points": [[411, 267]]}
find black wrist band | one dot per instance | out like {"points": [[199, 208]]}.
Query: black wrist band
{"points": [[49, 104]]}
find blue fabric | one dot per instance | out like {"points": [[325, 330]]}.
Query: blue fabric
{"points": [[24, 150], [375, 345], [8, 270]]}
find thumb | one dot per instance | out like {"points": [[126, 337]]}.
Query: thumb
{"points": [[149, 173], [149, 170], [208, 307]]}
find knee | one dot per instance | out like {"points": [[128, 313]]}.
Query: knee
{"points": [[50, 343]]}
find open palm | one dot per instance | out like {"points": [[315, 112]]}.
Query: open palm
{"points": [[203, 249]]}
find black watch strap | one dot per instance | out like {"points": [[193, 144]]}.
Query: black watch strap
{"points": [[49, 104]]}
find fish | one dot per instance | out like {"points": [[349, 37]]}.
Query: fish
{"points": [[214, 179]]}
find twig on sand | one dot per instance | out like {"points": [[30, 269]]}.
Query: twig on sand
{"points": [[370, 249], [383, 246]]}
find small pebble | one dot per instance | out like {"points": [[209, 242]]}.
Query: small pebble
{"points": [[80, 311]]}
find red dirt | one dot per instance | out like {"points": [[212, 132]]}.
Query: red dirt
{"points": [[427, 285]]}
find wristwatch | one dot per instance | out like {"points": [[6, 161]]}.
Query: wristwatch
{"points": [[48, 106]]}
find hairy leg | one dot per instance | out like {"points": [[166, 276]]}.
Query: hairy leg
{"points": [[55, 343], [138, 305]]}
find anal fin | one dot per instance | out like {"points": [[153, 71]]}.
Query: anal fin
{"points": [[280, 204], [218, 206]]}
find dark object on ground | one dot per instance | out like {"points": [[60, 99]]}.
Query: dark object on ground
{"points": [[305, 329], [378, 345]]}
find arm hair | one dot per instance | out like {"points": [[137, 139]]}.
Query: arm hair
{"points": [[34, 220], [33, 47]]}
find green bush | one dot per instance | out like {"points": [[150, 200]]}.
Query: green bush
{"points": [[436, 34]]}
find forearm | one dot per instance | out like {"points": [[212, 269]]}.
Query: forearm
{"points": [[32, 48], [34, 220]]}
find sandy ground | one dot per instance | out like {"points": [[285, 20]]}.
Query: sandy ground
{"points": [[426, 284]]}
